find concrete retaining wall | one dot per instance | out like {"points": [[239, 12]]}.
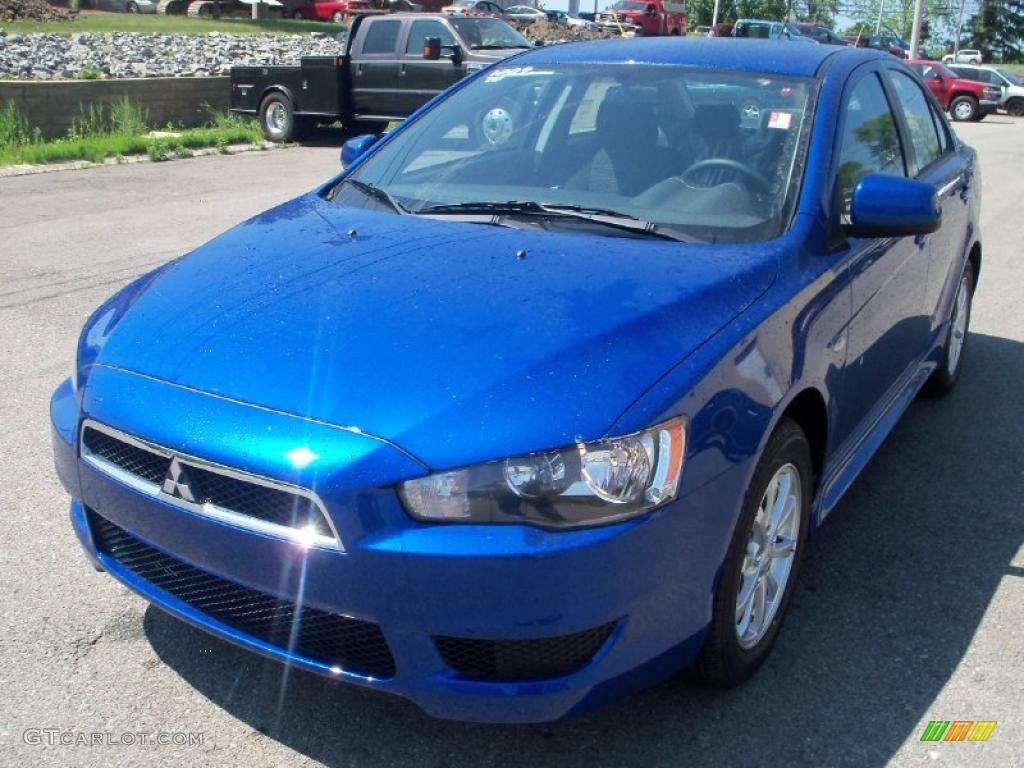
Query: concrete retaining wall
{"points": [[52, 105]]}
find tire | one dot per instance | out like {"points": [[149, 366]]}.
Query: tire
{"points": [[298, 15], [944, 378], [964, 109], [338, 17], [277, 118], [1015, 108], [725, 659], [131, 8]]}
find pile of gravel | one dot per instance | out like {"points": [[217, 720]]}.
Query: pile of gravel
{"points": [[555, 33], [30, 10], [127, 54], [123, 54]]}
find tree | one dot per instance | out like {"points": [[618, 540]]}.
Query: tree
{"points": [[701, 11], [898, 15], [997, 30]]}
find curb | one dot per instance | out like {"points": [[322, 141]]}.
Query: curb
{"points": [[78, 165]]}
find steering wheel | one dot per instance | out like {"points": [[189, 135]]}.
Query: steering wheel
{"points": [[762, 184]]}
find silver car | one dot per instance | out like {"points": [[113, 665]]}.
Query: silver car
{"points": [[525, 13], [1013, 92]]}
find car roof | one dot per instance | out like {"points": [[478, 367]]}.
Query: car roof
{"points": [[761, 56]]}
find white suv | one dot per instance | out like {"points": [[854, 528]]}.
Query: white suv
{"points": [[1013, 92], [963, 56]]}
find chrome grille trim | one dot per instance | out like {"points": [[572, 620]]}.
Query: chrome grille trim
{"points": [[206, 509]]}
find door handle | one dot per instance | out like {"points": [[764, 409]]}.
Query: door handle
{"points": [[401, 70]]}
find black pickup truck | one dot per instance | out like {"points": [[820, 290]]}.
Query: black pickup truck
{"points": [[389, 67]]}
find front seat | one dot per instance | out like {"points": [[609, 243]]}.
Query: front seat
{"points": [[717, 130], [625, 162]]}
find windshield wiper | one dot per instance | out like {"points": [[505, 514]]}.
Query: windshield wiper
{"points": [[378, 193], [498, 47], [614, 219]]}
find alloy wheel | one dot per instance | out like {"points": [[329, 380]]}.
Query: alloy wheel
{"points": [[770, 553], [958, 324]]}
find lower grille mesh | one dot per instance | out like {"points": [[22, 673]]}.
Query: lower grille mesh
{"points": [[514, 660], [354, 645]]}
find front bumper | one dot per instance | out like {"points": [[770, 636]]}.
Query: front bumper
{"points": [[988, 107], [651, 578]]}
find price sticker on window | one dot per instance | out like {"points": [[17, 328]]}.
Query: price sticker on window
{"points": [[780, 120]]}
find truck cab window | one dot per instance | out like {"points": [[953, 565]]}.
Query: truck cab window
{"points": [[381, 37]]}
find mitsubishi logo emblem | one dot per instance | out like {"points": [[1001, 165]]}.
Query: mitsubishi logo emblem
{"points": [[176, 483]]}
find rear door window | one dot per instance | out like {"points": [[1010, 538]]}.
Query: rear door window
{"points": [[918, 117], [381, 37]]}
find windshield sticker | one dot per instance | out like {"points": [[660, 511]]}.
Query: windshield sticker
{"points": [[780, 120], [501, 74]]}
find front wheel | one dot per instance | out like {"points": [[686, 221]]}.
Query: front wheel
{"points": [[762, 562], [298, 15], [944, 378], [132, 7], [964, 109], [338, 17], [1015, 108], [277, 118]]}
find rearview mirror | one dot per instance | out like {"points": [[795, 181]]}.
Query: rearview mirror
{"points": [[432, 48], [892, 206], [355, 148]]}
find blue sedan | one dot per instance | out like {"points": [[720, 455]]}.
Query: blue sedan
{"points": [[540, 400]]}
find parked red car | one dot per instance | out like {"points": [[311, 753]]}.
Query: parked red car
{"points": [[648, 18], [328, 10], [965, 100]]}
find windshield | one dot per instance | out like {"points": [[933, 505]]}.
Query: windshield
{"points": [[628, 5], [761, 29], [481, 33], [704, 155]]}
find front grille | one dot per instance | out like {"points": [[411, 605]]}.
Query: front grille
{"points": [[329, 638], [198, 483], [515, 660], [245, 498], [136, 461]]}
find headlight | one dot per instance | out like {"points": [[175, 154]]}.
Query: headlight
{"points": [[993, 93], [585, 484]]}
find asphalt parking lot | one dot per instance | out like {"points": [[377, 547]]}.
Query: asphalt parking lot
{"points": [[909, 609]]}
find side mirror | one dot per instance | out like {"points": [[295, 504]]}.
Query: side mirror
{"points": [[432, 48], [538, 44], [892, 206], [355, 148]]}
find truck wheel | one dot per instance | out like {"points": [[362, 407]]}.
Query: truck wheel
{"points": [[964, 109], [338, 17], [132, 7], [277, 117], [298, 15], [1015, 108]]}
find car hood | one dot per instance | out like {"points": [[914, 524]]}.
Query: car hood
{"points": [[459, 342]]}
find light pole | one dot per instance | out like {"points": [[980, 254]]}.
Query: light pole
{"points": [[881, 10], [959, 29], [915, 32], [714, 16]]}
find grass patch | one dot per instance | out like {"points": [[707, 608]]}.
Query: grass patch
{"points": [[158, 24], [118, 132]]}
